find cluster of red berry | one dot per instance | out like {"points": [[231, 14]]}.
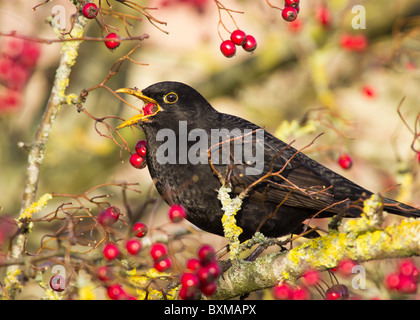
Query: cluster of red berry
{"points": [[201, 274], [290, 10], [238, 38], [312, 278], [17, 59], [90, 11], [137, 159], [405, 279]]}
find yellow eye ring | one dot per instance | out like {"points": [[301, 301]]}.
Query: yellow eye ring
{"points": [[170, 98]]}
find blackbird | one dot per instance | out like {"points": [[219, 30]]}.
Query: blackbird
{"points": [[192, 149]]}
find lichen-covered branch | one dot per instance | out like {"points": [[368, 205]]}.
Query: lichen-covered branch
{"points": [[57, 98], [360, 239]]}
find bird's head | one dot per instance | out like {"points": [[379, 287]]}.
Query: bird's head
{"points": [[166, 98]]}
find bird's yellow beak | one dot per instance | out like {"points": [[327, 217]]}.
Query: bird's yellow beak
{"points": [[139, 117]]}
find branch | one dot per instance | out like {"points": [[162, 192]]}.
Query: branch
{"points": [[360, 240], [69, 54]]}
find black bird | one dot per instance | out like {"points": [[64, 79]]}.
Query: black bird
{"points": [[180, 125]]}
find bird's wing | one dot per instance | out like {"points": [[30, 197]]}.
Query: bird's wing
{"points": [[288, 176]]}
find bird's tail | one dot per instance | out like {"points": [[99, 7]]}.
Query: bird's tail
{"points": [[401, 209]]}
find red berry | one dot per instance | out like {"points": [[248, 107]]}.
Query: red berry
{"points": [[250, 43], [282, 291], [289, 14], [148, 109], [311, 277], [208, 289], [111, 251], [337, 292], [345, 161], [345, 267], [133, 246], [112, 41], [354, 43], [90, 10], [188, 293], [140, 229], [300, 293], [116, 292], [324, 16], [406, 284], [214, 270], [291, 3], [392, 281], [193, 264], [163, 264], [228, 48], [104, 273], [189, 280], [206, 254], [141, 148], [408, 269], [58, 283], [136, 161], [238, 37], [369, 91], [158, 251], [177, 213], [109, 216]]}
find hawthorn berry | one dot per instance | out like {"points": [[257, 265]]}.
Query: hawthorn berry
{"points": [[163, 264], [111, 251], [206, 254], [345, 161], [311, 277], [337, 292], [193, 264], [58, 283], [369, 91], [300, 293], [214, 270], [112, 41], [238, 37], [204, 275], [188, 293], [104, 273], [323, 16], [291, 3], [158, 251], [133, 246], [228, 48], [282, 291], [109, 216], [140, 229], [177, 213], [208, 289], [250, 43], [409, 269], [289, 14], [116, 292], [345, 267], [136, 161], [148, 108], [354, 42], [189, 280], [90, 10], [141, 148]]}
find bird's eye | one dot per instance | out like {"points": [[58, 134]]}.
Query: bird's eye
{"points": [[171, 98]]}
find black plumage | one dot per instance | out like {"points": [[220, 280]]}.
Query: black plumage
{"points": [[275, 206]]}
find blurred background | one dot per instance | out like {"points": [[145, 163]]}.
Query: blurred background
{"points": [[316, 74]]}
